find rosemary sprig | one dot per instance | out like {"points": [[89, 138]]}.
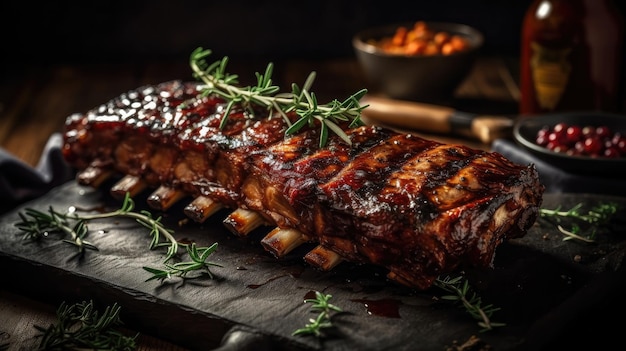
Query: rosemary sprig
{"points": [[181, 269], [324, 308], [36, 224], [80, 326], [597, 217], [300, 100], [469, 300]]}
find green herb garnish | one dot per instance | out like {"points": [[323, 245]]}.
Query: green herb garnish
{"points": [[36, 225], [198, 263], [469, 300], [594, 219], [300, 100], [322, 306], [81, 327]]}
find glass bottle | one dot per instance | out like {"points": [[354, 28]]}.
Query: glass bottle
{"points": [[571, 56]]}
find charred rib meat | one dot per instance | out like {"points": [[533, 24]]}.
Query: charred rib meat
{"points": [[417, 207]]}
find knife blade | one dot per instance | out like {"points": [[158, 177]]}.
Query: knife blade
{"points": [[436, 119]]}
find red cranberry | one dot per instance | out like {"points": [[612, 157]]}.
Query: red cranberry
{"points": [[560, 128], [588, 131], [603, 132], [621, 146], [573, 133], [593, 146], [591, 141], [611, 152], [542, 140]]}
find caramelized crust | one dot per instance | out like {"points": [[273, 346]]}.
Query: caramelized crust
{"points": [[415, 206]]}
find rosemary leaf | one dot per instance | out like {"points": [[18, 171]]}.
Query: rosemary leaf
{"points": [[80, 326], [321, 305], [597, 217], [36, 224], [301, 101], [461, 293]]}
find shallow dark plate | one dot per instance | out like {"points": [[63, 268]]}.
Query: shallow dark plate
{"points": [[526, 128]]}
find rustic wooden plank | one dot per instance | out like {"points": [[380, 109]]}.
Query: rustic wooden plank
{"points": [[42, 105], [15, 96], [20, 315], [44, 114]]}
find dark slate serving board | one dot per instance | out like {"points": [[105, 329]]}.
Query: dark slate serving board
{"points": [[550, 291]]}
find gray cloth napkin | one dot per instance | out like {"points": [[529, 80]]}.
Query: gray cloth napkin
{"points": [[20, 182], [557, 180]]}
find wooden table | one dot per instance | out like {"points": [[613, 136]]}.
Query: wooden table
{"points": [[35, 101]]}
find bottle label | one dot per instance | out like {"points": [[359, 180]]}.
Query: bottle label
{"points": [[550, 71]]}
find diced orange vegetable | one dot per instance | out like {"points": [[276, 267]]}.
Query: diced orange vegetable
{"points": [[421, 40], [400, 37]]}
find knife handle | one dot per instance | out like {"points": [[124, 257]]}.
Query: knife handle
{"points": [[436, 119], [418, 116]]}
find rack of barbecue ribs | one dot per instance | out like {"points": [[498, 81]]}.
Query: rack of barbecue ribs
{"points": [[417, 207]]}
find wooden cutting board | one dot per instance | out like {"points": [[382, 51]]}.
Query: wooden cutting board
{"points": [[547, 288]]}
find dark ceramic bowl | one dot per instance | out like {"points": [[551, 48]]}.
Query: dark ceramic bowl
{"points": [[415, 77], [525, 132]]}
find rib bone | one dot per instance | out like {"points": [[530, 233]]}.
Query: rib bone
{"points": [[201, 208], [164, 197], [130, 184], [322, 258], [241, 221], [281, 241], [93, 176]]}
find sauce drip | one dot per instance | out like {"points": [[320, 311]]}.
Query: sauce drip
{"points": [[389, 308], [310, 295]]}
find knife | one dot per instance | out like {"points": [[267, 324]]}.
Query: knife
{"points": [[436, 119]]}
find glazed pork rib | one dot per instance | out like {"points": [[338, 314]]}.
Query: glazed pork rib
{"points": [[417, 207]]}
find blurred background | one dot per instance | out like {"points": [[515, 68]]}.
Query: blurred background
{"points": [[263, 30], [144, 30], [64, 57]]}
